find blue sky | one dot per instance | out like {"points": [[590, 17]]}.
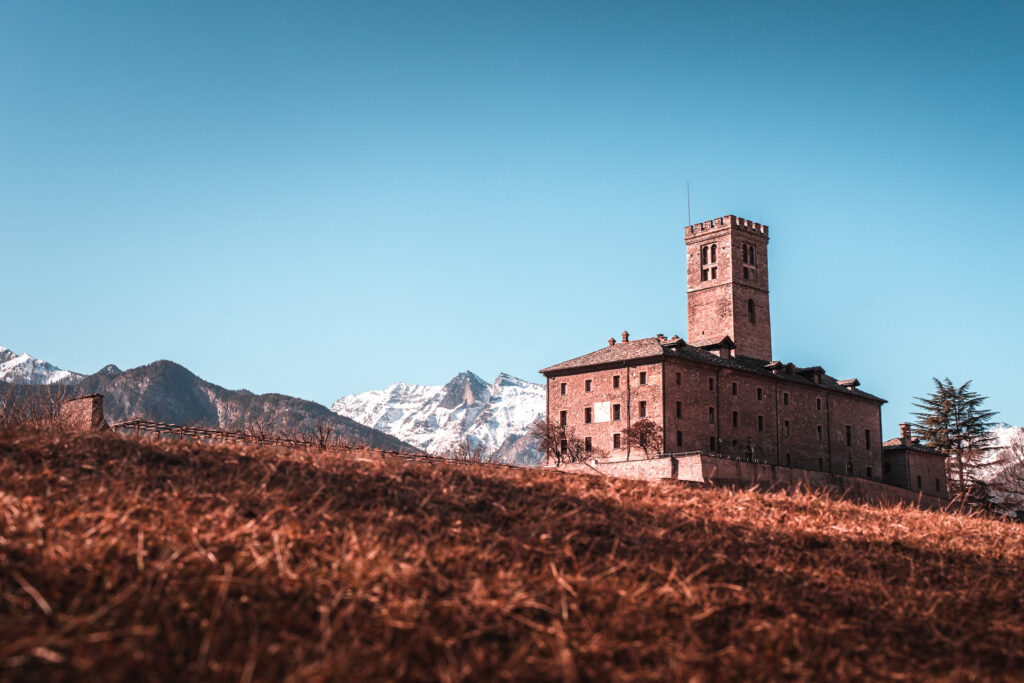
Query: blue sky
{"points": [[321, 199]]}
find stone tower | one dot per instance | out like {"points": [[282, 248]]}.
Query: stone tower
{"points": [[727, 285]]}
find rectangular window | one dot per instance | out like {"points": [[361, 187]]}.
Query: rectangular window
{"points": [[849, 437], [760, 393], [785, 398], [643, 408], [746, 273], [786, 427], [819, 404], [563, 389], [711, 444], [760, 423], [617, 412], [714, 273], [564, 446], [819, 432], [867, 439], [643, 378], [886, 468], [735, 419], [711, 383], [937, 487], [679, 408], [919, 482], [869, 473], [588, 415], [587, 385], [734, 388], [616, 440], [821, 464], [703, 274], [711, 415], [588, 445], [615, 382], [787, 460], [562, 418], [679, 378], [679, 440]]}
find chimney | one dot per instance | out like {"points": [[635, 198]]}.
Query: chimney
{"points": [[611, 341], [905, 433], [625, 336]]}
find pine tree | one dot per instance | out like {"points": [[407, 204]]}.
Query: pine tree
{"points": [[953, 420]]}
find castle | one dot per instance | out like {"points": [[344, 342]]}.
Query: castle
{"points": [[722, 397]]}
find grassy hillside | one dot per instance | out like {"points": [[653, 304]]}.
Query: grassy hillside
{"points": [[133, 560]]}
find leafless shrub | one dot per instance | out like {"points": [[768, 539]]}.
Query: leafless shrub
{"points": [[258, 431], [38, 406], [464, 450]]}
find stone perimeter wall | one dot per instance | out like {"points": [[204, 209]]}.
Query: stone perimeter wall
{"points": [[724, 472]]}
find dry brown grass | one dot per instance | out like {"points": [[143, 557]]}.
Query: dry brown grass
{"points": [[123, 559]]}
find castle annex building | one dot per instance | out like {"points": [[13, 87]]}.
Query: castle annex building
{"points": [[722, 394]]}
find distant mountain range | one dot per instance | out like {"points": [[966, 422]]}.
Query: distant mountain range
{"points": [[496, 416], [168, 392]]}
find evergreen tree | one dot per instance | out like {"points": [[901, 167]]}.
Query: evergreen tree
{"points": [[952, 419]]}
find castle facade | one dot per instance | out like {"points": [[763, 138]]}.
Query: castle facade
{"points": [[721, 394]]}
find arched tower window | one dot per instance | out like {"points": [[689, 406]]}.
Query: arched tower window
{"points": [[750, 311], [714, 253], [704, 255]]}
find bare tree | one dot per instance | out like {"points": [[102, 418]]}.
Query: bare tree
{"points": [[646, 435], [258, 430], [323, 434], [560, 443], [1010, 479]]}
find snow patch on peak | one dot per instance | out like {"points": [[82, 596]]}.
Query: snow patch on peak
{"points": [[24, 369], [434, 418]]}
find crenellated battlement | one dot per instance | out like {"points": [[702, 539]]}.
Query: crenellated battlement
{"points": [[724, 222]]}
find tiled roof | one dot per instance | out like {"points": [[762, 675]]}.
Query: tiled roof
{"points": [[656, 348]]}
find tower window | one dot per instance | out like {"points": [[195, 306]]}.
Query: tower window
{"points": [[711, 445], [711, 415], [615, 382], [745, 259], [588, 415], [679, 408], [703, 274], [735, 419], [869, 473], [760, 393], [704, 255], [919, 482], [746, 273], [785, 398], [643, 408], [711, 383], [819, 404], [679, 438], [849, 468], [787, 460], [760, 423], [867, 439], [587, 385], [786, 423], [714, 273], [563, 389], [734, 388], [819, 432], [616, 440], [643, 378], [679, 378], [562, 418], [714, 253], [849, 437], [750, 249], [588, 444], [750, 311], [616, 412], [564, 446]]}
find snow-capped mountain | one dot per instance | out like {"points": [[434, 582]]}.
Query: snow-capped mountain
{"points": [[497, 416], [24, 369]]}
